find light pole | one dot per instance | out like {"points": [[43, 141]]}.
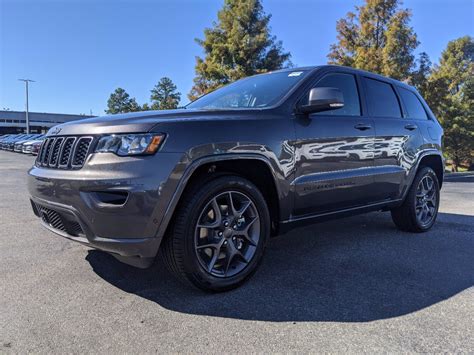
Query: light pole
{"points": [[27, 119]]}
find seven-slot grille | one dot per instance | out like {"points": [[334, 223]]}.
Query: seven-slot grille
{"points": [[64, 152]]}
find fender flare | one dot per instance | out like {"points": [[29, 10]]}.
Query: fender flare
{"points": [[184, 180], [414, 170]]}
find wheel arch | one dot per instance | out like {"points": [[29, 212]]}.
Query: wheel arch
{"points": [[434, 161], [431, 158], [254, 167]]}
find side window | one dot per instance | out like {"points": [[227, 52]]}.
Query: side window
{"points": [[413, 105], [348, 86], [381, 99]]}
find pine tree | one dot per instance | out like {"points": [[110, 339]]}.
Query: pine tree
{"points": [[238, 45], [120, 102], [450, 94], [377, 38], [420, 76], [145, 107], [164, 95]]}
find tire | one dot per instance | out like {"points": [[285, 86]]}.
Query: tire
{"points": [[407, 217], [212, 253]]}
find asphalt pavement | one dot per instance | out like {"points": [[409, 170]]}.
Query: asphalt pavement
{"points": [[350, 285]]}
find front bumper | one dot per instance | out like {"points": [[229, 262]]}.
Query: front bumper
{"points": [[70, 203]]}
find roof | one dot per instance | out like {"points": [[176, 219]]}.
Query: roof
{"points": [[359, 71]]}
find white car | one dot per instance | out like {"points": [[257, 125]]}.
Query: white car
{"points": [[27, 147]]}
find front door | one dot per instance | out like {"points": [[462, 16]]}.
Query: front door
{"points": [[334, 154]]}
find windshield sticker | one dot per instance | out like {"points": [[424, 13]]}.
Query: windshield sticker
{"points": [[295, 73]]}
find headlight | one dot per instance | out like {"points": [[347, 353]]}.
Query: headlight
{"points": [[130, 144]]}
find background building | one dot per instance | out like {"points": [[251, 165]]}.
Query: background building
{"points": [[40, 122]]}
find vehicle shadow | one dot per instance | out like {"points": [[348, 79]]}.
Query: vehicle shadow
{"points": [[356, 269]]}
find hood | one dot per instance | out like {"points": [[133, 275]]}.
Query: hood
{"points": [[139, 122]]}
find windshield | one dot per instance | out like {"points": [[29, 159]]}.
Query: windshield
{"points": [[254, 92]]}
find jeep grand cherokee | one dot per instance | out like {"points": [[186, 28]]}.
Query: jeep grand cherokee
{"points": [[209, 184]]}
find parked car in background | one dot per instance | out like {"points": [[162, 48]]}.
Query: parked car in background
{"points": [[12, 142], [5, 142], [208, 185], [36, 146], [19, 144], [17, 147], [5, 138], [27, 147], [10, 145]]}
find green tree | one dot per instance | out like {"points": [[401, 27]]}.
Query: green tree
{"points": [[164, 95], [377, 38], [420, 76], [120, 102], [238, 45], [450, 94]]}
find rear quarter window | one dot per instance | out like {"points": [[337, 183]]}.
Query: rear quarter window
{"points": [[412, 104], [381, 98]]}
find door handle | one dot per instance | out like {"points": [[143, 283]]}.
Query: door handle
{"points": [[411, 127], [362, 126]]}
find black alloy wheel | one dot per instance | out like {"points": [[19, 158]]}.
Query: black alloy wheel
{"points": [[218, 234], [426, 204], [419, 210], [227, 233]]}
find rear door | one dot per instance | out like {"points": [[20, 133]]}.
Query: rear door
{"points": [[334, 153], [397, 138], [417, 115]]}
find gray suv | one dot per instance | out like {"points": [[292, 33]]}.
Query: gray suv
{"points": [[206, 186]]}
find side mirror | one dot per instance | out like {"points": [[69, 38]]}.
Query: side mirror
{"points": [[323, 99]]}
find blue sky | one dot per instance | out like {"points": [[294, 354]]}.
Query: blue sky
{"points": [[79, 51]]}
